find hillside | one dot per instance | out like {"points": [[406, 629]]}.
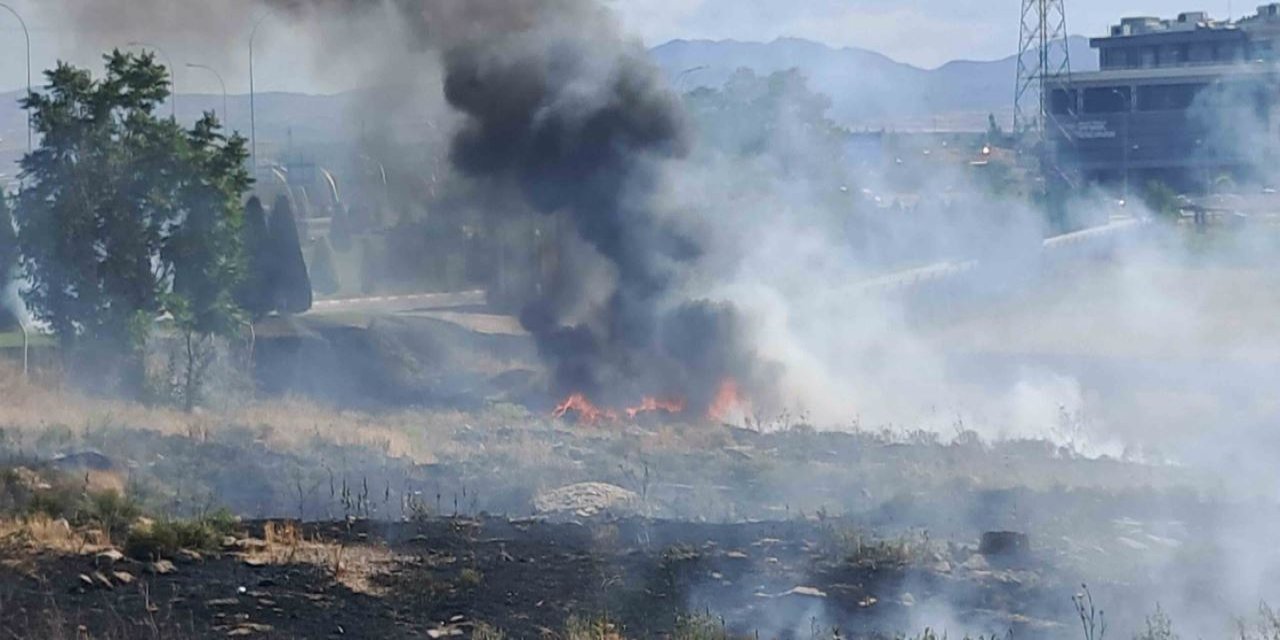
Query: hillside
{"points": [[868, 89]]}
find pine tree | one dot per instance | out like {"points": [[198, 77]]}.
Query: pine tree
{"points": [[255, 294], [291, 286], [324, 275]]}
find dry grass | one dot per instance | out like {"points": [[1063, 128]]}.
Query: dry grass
{"points": [[41, 533], [354, 566]]}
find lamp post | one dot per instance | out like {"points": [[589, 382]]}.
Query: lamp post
{"points": [[253, 122], [192, 65], [26, 34], [173, 74]]}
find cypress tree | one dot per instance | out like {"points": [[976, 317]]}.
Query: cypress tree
{"points": [[340, 229], [255, 293], [291, 286], [368, 266], [324, 275]]}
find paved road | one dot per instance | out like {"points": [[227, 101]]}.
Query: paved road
{"points": [[399, 303]]}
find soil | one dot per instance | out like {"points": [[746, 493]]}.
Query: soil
{"points": [[439, 577]]}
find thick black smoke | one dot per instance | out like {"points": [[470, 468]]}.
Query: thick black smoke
{"points": [[576, 120], [558, 108]]}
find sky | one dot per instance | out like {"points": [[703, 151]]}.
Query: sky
{"points": [[925, 33]]}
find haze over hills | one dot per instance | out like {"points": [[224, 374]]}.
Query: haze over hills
{"points": [[868, 91]]}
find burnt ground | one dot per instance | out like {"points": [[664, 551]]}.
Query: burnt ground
{"points": [[798, 579]]}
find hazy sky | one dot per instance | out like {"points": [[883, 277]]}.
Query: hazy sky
{"points": [[921, 32]]}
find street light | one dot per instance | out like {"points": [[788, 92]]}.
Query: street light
{"points": [[192, 65], [173, 74], [253, 121], [27, 35]]}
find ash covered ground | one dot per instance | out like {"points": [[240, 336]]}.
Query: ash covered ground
{"points": [[473, 510]]}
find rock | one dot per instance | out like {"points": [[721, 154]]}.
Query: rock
{"points": [[587, 499], [161, 568], [187, 556], [123, 577], [976, 562], [82, 460], [1004, 543], [85, 580], [107, 558], [809, 592], [249, 628]]}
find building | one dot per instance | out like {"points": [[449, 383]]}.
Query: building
{"points": [[1186, 100]]}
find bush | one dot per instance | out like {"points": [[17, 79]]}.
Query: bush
{"points": [[167, 537], [112, 512]]}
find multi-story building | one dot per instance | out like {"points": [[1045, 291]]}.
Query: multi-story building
{"points": [[1187, 99]]}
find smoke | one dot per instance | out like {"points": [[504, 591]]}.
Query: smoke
{"points": [[578, 121], [687, 264]]}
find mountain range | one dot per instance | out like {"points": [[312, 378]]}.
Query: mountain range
{"points": [[868, 90]]}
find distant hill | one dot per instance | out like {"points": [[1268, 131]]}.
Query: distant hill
{"points": [[868, 89]]}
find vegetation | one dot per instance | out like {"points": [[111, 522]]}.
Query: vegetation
{"points": [[287, 271], [254, 295], [340, 229], [1159, 627], [324, 274], [1161, 199], [164, 538], [123, 216]]}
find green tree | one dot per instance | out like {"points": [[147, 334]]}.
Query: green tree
{"points": [[254, 294], [8, 264], [324, 275], [290, 284], [8, 244], [205, 249], [114, 210]]}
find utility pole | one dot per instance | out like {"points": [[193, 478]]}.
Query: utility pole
{"points": [[1044, 75], [1044, 64]]}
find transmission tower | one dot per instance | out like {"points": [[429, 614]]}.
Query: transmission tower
{"points": [[1044, 63]]}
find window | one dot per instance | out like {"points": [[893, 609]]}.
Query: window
{"points": [[1106, 100], [1062, 101], [1169, 97]]}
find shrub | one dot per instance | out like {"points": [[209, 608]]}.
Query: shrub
{"points": [[112, 512], [166, 537]]}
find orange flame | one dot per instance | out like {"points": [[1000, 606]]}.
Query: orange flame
{"points": [[651, 404], [729, 404], [587, 412]]}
